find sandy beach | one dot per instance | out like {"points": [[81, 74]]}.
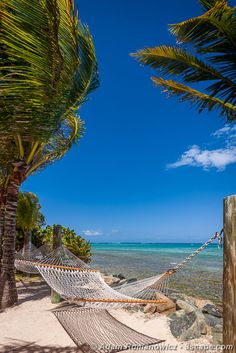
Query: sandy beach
{"points": [[31, 327]]}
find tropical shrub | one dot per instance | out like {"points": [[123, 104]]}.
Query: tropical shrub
{"points": [[73, 242]]}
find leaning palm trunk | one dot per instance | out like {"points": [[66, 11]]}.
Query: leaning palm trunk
{"points": [[1, 234], [2, 213], [49, 68], [8, 292]]}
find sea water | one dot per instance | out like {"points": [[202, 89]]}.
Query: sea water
{"points": [[201, 277]]}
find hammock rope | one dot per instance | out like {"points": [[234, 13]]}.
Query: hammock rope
{"points": [[76, 281], [217, 235], [99, 330]]}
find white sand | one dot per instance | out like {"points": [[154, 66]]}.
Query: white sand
{"points": [[31, 327]]}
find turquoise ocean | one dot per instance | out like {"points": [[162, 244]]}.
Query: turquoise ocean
{"points": [[202, 277]]}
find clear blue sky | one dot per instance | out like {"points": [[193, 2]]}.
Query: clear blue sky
{"points": [[116, 185]]}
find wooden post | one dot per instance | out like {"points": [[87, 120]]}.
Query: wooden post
{"points": [[229, 277], [56, 242]]}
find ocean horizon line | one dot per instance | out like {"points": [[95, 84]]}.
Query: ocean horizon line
{"points": [[105, 242]]}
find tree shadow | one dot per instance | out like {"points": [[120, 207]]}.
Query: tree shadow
{"points": [[17, 346], [35, 291]]}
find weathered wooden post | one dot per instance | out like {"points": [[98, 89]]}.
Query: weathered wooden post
{"points": [[229, 277], [56, 242]]}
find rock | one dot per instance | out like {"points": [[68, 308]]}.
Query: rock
{"points": [[120, 276], [131, 280], [110, 280], [167, 307], [217, 335], [150, 309], [212, 310], [187, 326], [183, 305], [122, 281], [213, 321], [174, 296], [200, 303]]}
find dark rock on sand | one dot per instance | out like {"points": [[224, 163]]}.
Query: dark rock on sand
{"points": [[122, 281], [187, 326], [213, 321], [212, 310], [120, 276], [131, 280]]}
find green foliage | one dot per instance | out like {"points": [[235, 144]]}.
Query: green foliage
{"points": [[28, 211], [47, 65], [206, 53], [48, 68], [73, 242], [29, 218]]}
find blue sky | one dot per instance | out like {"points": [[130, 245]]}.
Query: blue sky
{"points": [[148, 168]]}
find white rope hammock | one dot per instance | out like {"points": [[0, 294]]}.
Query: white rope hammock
{"points": [[76, 281], [24, 257], [94, 327], [100, 331]]}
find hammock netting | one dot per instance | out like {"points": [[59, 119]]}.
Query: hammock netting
{"points": [[99, 330], [76, 281], [24, 258], [90, 324]]}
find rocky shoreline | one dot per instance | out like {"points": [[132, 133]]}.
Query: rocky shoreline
{"points": [[189, 317]]}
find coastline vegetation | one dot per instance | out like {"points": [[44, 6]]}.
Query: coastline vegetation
{"points": [[32, 228]]}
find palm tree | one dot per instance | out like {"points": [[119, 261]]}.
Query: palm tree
{"points": [[209, 57], [28, 215], [72, 241], [47, 69]]}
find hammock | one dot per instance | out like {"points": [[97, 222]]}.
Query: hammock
{"points": [[76, 281], [24, 257], [99, 330], [93, 326]]}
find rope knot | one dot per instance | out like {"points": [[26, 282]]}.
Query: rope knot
{"points": [[219, 236]]}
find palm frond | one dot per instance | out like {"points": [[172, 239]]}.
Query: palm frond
{"points": [[175, 61], [70, 132], [198, 99], [207, 4], [30, 65], [80, 74], [47, 65], [213, 33]]}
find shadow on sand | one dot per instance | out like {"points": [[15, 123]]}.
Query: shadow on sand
{"points": [[32, 291], [29, 347]]}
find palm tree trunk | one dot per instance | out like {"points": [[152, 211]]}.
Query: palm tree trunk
{"points": [[8, 292], [1, 234], [2, 213], [27, 239]]}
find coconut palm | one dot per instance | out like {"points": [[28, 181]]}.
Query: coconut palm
{"points": [[72, 241], [70, 132], [206, 52], [47, 69], [28, 215]]}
